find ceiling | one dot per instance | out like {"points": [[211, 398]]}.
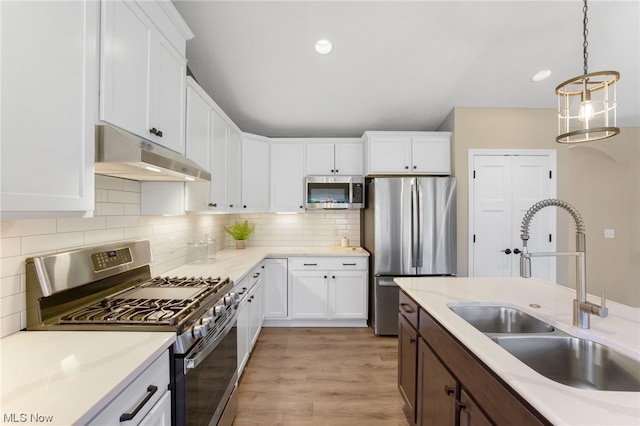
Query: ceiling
{"points": [[400, 65]]}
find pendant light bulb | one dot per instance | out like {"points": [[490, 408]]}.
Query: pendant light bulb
{"points": [[587, 111]]}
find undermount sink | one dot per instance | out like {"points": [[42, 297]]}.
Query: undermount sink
{"points": [[575, 362], [500, 319]]}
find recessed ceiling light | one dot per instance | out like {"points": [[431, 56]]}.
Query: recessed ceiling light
{"points": [[323, 47], [541, 75]]}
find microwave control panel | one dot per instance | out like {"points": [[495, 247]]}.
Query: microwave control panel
{"points": [[358, 193]]}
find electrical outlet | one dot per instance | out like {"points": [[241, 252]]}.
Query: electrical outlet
{"points": [[609, 233]]}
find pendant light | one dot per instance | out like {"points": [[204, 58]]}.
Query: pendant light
{"points": [[587, 104]]}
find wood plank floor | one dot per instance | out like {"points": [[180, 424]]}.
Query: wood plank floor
{"points": [[321, 376]]}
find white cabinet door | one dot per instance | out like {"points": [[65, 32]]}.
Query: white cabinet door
{"points": [[219, 164], [287, 176], [125, 59], [255, 173], [234, 171], [160, 414], [348, 294], [275, 289], [142, 86], [49, 89], [389, 154], [309, 294], [167, 96], [242, 326], [431, 154], [320, 159], [255, 312], [348, 159], [198, 137], [504, 188]]}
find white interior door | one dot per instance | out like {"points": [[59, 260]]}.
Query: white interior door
{"points": [[503, 186]]}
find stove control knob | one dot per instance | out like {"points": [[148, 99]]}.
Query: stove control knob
{"points": [[199, 330], [208, 322], [230, 299], [218, 310]]}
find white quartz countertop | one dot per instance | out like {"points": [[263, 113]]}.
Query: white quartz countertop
{"points": [[235, 264], [67, 377], [560, 404]]}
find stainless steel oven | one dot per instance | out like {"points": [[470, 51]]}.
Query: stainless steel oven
{"points": [[110, 287], [206, 378]]}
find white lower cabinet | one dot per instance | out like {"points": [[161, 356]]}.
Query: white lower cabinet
{"points": [[250, 314], [145, 401], [329, 291]]}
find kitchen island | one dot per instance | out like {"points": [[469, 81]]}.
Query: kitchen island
{"points": [[65, 378], [557, 403]]}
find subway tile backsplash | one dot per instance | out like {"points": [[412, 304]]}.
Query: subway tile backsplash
{"points": [[117, 218]]}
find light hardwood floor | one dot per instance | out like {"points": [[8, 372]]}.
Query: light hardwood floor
{"points": [[321, 376]]}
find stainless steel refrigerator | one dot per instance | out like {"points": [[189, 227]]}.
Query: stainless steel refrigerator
{"points": [[409, 228]]}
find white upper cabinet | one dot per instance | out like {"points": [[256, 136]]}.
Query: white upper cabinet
{"points": [[198, 134], [234, 171], [255, 173], [49, 89], [334, 156], [407, 153], [143, 70], [287, 175]]}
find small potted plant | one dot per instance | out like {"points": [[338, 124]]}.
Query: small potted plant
{"points": [[240, 231]]}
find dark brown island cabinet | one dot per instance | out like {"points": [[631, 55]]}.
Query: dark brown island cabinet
{"points": [[443, 383]]}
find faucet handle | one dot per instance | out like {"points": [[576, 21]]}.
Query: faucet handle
{"points": [[603, 311]]}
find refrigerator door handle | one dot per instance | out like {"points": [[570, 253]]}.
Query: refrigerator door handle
{"points": [[419, 220], [415, 236]]}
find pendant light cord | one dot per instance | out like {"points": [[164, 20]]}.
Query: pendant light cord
{"points": [[585, 33]]}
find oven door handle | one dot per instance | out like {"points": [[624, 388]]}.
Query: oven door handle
{"points": [[193, 361]]}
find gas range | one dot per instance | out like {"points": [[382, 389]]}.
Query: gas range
{"points": [[110, 288]]}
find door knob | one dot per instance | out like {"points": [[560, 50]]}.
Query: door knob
{"points": [[506, 251], [516, 251]]}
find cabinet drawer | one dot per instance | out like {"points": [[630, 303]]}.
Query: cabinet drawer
{"points": [[156, 375], [328, 263], [409, 309]]}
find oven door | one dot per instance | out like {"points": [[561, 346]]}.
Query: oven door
{"points": [[205, 380]]}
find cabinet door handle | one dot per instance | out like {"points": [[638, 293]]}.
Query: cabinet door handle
{"points": [[151, 390], [407, 308], [412, 340], [325, 277], [230, 205], [153, 130], [516, 251], [506, 251], [448, 390], [348, 264], [415, 167], [310, 264], [406, 167], [159, 134], [333, 276], [461, 405], [213, 204], [244, 207], [332, 170], [337, 171]]}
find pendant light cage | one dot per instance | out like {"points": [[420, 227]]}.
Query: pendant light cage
{"points": [[587, 104], [587, 107]]}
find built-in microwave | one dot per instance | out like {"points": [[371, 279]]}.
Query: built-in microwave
{"points": [[334, 192]]}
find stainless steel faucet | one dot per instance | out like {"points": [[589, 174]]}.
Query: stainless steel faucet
{"points": [[581, 307]]}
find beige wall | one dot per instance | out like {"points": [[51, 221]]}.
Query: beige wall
{"points": [[496, 128], [605, 188]]}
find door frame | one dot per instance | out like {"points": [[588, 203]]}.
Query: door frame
{"points": [[551, 153]]}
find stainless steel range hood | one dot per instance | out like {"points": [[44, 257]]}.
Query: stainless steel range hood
{"points": [[124, 155]]}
